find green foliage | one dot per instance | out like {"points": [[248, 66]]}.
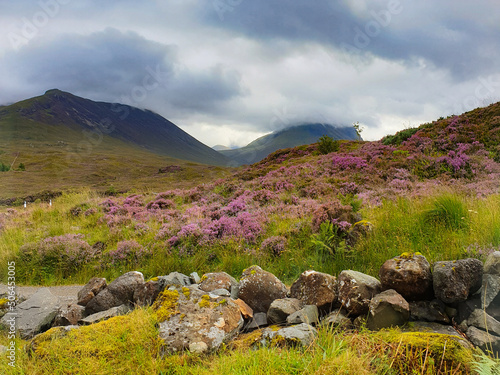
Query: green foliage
{"points": [[21, 167], [399, 137], [4, 167], [358, 129], [329, 240], [449, 211], [485, 365], [327, 144]]}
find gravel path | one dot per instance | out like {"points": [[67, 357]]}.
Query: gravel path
{"points": [[67, 293]]}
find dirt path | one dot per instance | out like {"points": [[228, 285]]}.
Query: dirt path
{"points": [[67, 293]]}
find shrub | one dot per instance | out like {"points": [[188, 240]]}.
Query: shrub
{"points": [[399, 137], [327, 144], [449, 211]]}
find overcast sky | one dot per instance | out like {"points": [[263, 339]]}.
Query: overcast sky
{"points": [[228, 71]]}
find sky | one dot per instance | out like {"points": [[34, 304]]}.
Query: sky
{"points": [[229, 71]]}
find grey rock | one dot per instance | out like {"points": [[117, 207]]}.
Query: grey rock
{"points": [[387, 309], [174, 278], [315, 288], [145, 294], [90, 290], [356, 289], [337, 319], [221, 292], [280, 309], [484, 340], [490, 289], [455, 280], [467, 307], [217, 280], [259, 320], [68, 315], [303, 334], [429, 311], [33, 315], [308, 314], [194, 278], [492, 264], [105, 315], [120, 291], [259, 288], [480, 319], [198, 347]]}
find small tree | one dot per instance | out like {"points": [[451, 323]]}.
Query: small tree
{"points": [[327, 144], [358, 129]]}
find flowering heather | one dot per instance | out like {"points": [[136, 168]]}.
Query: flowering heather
{"points": [[134, 201], [330, 212], [127, 252], [349, 162], [160, 204]]}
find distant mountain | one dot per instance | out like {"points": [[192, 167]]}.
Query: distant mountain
{"points": [[221, 148], [289, 137], [96, 119]]}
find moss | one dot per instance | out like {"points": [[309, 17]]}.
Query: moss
{"points": [[205, 301], [246, 340], [166, 305], [3, 303], [186, 292], [221, 302], [203, 278]]}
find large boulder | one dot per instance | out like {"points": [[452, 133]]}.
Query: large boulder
{"points": [[455, 280], [191, 319], [259, 288], [219, 280], [480, 319], [387, 309], [34, 315], [119, 292], [356, 290], [315, 288], [145, 294], [280, 309], [90, 290], [408, 274], [485, 341]]}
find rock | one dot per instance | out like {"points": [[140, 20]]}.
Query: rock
{"points": [[174, 278], [467, 307], [145, 294], [429, 311], [280, 309], [455, 280], [315, 288], [120, 291], [490, 290], [90, 290], [218, 280], [245, 310], [308, 314], [259, 288], [259, 320], [33, 315], [387, 309], [492, 264], [408, 274], [356, 290], [198, 347], [188, 316], [68, 315], [484, 340], [194, 278], [105, 315], [301, 334], [221, 292], [337, 319], [480, 319]]}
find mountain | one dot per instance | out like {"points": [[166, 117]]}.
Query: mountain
{"points": [[289, 137], [221, 148], [95, 119]]}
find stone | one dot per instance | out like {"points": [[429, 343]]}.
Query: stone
{"points": [[455, 280], [490, 290], [467, 307], [259, 320], [480, 319], [221, 292], [120, 291], [105, 315], [492, 264], [198, 347], [308, 314], [259, 288], [485, 341], [408, 274], [218, 280], [337, 319], [187, 316], [34, 315], [280, 309], [245, 310], [68, 315], [145, 294], [194, 278], [90, 290], [387, 309], [174, 278], [315, 288], [298, 335], [356, 289], [429, 311]]}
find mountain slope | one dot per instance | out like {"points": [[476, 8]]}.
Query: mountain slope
{"points": [[95, 119], [289, 137]]}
